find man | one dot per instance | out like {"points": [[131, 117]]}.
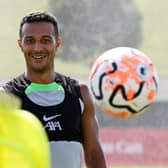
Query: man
{"points": [[64, 107]]}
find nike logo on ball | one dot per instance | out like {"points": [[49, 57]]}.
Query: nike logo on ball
{"points": [[45, 118]]}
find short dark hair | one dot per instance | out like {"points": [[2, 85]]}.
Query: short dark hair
{"points": [[39, 16]]}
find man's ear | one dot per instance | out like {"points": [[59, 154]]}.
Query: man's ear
{"points": [[58, 42], [19, 43]]}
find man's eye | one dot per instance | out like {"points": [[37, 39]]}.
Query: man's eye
{"points": [[29, 41], [46, 41]]}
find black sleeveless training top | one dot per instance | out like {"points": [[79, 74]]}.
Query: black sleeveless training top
{"points": [[57, 105]]}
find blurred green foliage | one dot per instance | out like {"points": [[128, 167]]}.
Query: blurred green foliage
{"points": [[89, 28], [153, 26]]}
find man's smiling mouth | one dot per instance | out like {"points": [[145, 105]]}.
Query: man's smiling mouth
{"points": [[39, 56]]}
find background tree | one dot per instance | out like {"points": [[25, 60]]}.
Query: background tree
{"points": [[89, 27]]}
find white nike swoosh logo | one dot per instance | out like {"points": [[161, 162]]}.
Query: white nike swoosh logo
{"points": [[51, 117]]}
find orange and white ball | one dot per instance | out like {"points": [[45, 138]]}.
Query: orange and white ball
{"points": [[123, 81]]}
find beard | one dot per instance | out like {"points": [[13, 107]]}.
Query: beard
{"points": [[40, 69]]}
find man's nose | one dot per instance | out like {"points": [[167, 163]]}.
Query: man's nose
{"points": [[38, 46]]}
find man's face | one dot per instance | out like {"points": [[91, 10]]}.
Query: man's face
{"points": [[39, 45]]}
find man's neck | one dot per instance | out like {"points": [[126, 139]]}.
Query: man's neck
{"points": [[44, 78]]}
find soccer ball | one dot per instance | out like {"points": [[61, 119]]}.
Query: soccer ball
{"points": [[123, 82]]}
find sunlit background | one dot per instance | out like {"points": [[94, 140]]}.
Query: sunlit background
{"points": [[88, 28]]}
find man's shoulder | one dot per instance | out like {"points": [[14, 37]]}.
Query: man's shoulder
{"points": [[70, 83], [66, 79], [15, 83], [16, 79], [58, 74]]}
